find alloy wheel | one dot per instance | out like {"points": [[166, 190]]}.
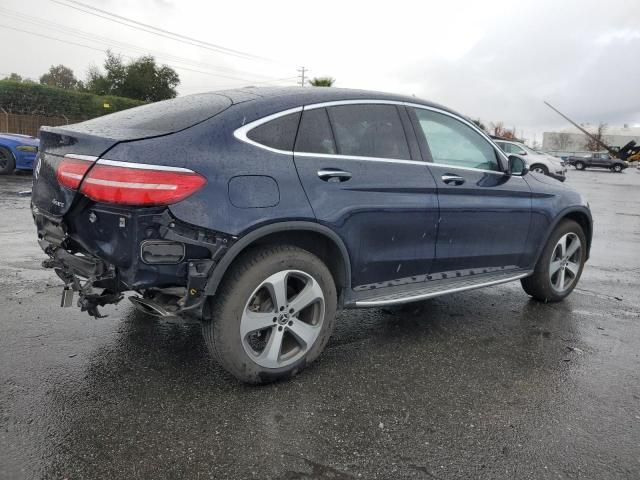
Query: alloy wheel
{"points": [[4, 159], [566, 261], [282, 319]]}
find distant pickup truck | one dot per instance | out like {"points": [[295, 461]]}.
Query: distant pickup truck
{"points": [[598, 160]]}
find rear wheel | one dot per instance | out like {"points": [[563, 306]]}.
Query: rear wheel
{"points": [[540, 169], [580, 166], [273, 314], [559, 268], [7, 162]]}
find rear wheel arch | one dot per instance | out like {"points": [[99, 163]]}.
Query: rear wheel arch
{"points": [[313, 237]]}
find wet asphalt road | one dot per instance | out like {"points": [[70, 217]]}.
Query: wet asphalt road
{"points": [[484, 384]]}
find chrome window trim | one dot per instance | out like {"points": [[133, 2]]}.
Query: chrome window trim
{"points": [[471, 169], [241, 133], [352, 157], [142, 166]]}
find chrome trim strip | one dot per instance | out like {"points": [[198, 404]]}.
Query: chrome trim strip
{"points": [[77, 156], [471, 169], [412, 298], [142, 166], [241, 133], [351, 157]]}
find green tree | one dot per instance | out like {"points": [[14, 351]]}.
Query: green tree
{"points": [[141, 79], [322, 81], [61, 77], [479, 124], [13, 77], [147, 81]]}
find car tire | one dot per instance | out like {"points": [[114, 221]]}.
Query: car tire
{"points": [[579, 166], [537, 168], [617, 168], [7, 162], [556, 274], [248, 298]]}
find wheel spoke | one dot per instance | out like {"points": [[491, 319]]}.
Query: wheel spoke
{"points": [[304, 332], [555, 266], [311, 293], [573, 247], [573, 268], [254, 321], [563, 246], [561, 279], [271, 351], [277, 286]]}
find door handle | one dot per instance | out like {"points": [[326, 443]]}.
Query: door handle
{"points": [[455, 179], [334, 175]]}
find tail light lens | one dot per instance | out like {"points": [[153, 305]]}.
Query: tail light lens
{"points": [[72, 170], [139, 184]]}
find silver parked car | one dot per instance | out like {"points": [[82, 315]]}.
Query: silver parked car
{"points": [[538, 162]]}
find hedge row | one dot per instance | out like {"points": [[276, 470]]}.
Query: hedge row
{"points": [[26, 98]]}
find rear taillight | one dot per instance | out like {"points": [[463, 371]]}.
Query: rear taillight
{"points": [[72, 169], [139, 184]]}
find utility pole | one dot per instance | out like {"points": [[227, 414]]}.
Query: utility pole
{"points": [[302, 71]]}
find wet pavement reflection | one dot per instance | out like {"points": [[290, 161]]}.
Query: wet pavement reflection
{"points": [[484, 384]]}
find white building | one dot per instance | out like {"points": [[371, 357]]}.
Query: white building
{"points": [[571, 139]]}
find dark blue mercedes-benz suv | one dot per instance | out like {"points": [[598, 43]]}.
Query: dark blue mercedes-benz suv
{"points": [[261, 212]]}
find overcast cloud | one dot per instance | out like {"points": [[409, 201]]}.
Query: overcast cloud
{"points": [[492, 60]]}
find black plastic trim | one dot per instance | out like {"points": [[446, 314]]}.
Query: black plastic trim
{"points": [[254, 235]]}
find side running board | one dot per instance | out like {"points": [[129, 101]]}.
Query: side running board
{"points": [[434, 288]]}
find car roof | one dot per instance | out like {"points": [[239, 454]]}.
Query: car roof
{"points": [[273, 99]]}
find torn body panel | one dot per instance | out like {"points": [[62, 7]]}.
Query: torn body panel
{"points": [[131, 249]]}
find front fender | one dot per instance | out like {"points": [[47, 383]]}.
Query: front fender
{"points": [[573, 213]]}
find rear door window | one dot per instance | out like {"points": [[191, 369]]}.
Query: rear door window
{"points": [[369, 130], [314, 134], [453, 143], [279, 133]]}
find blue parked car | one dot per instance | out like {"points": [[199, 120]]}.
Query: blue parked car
{"points": [[17, 152], [262, 212]]}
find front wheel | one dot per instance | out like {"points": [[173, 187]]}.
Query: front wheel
{"points": [[579, 166], [540, 169], [272, 315], [559, 268], [7, 162], [617, 168]]}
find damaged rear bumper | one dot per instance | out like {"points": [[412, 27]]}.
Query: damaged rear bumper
{"points": [[102, 251]]}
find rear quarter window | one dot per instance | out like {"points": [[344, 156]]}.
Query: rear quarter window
{"points": [[279, 133]]}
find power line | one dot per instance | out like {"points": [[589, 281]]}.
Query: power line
{"points": [[102, 51], [156, 30], [113, 43]]}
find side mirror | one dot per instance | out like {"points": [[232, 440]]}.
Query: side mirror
{"points": [[517, 166], [522, 152]]}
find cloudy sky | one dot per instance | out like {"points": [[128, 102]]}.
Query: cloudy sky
{"points": [[496, 60]]}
